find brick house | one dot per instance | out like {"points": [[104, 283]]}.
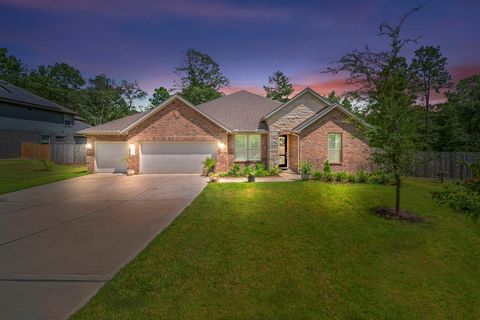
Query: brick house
{"points": [[242, 128]]}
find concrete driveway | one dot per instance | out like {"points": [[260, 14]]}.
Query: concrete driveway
{"points": [[59, 243]]}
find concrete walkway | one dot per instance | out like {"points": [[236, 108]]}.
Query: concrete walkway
{"points": [[59, 243]]}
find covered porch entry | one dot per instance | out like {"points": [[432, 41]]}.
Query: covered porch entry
{"points": [[288, 151]]}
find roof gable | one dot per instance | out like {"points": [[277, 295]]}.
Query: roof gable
{"points": [[301, 94], [326, 111], [124, 125], [240, 111]]}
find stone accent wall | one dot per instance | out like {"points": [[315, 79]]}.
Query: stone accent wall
{"points": [[175, 122], [273, 148], [295, 112], [292, 119], [355, 149]]}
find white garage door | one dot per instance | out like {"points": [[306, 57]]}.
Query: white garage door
{"points": [[110, 156], [175, 156]]}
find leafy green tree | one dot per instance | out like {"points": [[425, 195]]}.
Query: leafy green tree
{"points": [[466, 101], [429, 67], [12, 69], [132, 92], [387, 87], [279, 87], [103, 101], [198, 95], [343, 101], [159, 95], [448, 132], [200, 77], [60, 83]]}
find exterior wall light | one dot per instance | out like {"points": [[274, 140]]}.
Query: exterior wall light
{"points": [[89, 146], [132, 149], [221, 146]]}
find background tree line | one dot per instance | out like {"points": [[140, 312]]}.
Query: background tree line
{"points": [[449, 126]]}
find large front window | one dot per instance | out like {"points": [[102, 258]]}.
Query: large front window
{"points": [[247, 147], [335, 147]]}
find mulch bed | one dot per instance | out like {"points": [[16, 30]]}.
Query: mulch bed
{"points": [[389, 213]]}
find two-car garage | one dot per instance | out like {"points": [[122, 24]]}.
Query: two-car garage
{"points": [[155, 156], [175, 156]]}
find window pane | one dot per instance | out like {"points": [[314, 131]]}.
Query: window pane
{"points": [[254, 155], [254, 141], [334, 156], [334, 141], [240, 141], [241, 155]]}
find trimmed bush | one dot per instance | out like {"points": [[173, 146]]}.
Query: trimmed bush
{"points": [[328, 177], [274, 171], [326, 167], [362, 176], [318, 175], [460, 197], [260, 170], [352, 178], [341, 176]]}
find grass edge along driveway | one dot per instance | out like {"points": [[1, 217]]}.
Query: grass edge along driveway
{"points": [[306, 250], [21, 174]]}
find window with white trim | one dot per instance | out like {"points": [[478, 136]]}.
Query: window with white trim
{"points": [[335, 147], [247, 147]]}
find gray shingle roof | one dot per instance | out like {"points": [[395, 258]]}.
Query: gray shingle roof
{"points": [[115, 126], [240, 111], [14, 94]]}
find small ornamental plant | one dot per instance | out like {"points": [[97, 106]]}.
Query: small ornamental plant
{"points": [[306, 169]]}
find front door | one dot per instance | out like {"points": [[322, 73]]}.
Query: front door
{"points": [[282, 152]]}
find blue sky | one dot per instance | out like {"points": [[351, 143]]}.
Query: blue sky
{"points": [[144, 40]]}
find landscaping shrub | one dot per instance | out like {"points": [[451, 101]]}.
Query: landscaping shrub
{"points": [[326, 167], [209, 164], [47, 165], [249, 171], [380, 177], [328, 177], [352, 178], [318, 175], [362, 176], [260, 170], [341, 176], [235, 171], [274, 171], [462, 197], [306, 169]]}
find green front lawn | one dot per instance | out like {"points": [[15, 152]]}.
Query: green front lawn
{"points": [[302, 250], [21, 174]]}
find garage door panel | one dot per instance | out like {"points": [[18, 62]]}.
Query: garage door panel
{"points": [[110, 157], [175, 157]]}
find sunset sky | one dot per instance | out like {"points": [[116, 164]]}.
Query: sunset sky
{"points": [[144, 40]]}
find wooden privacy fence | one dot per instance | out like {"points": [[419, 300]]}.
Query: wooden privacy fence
{"points": [[35, 151], [58, 153], [69, 153], [453, 164]]}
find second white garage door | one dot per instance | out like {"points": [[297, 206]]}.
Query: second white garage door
{"points": [[175, 156]]}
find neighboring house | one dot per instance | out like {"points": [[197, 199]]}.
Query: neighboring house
{"points": [[26, 117], [243, 128]]}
